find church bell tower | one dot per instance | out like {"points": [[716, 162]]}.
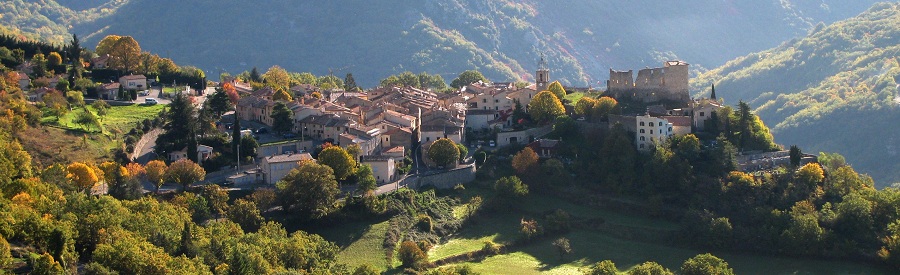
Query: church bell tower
{"points": [[542, 75]]}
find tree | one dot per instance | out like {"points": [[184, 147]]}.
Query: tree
{"points": [[219, 102], [411, 255], [75, 98], [563, 247], [217, 197], [124, 52], [281, 95], [365, 181], [650, 268], [45, 265], [557, 89], [282, 118], [585, 106], [509, 189], [443, 152], [366, 269], [606, 267], [466, 78], [5, 256], [54, 60], [705, 264], [545, 106], [277, 78], [156, 172], [73, 53], [185, 172], [354, 150], [795, 156], [119, 182], [309, 190], [463, 152], [603, 107], [231, 92], [525, 161], [101, 107], [40, 65], [339, 160], [246, 214], [82, 175], [86, 119], [350, 83], [254, 75], [181, 125], [56, 102]]}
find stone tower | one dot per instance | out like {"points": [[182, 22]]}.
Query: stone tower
{"points": [[542, 75]]}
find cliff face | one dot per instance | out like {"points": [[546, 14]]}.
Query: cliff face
{"points": [[582, 39]]}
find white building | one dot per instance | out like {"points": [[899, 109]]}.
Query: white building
{"points": [[133, 82], [651, 131], [383, 167]]}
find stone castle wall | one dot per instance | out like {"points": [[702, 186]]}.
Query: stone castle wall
{"points": [[669, 82]]}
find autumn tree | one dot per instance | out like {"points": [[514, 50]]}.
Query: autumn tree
{"points": [[54, 60], [603, 107], [309, 190], [339, 160], [156, 173], [562, 247], [411, 255], [56, 102], [82, 175], [650, 268], [217, 197], [277, 78], [185, 172], [545, 106], [124, 52], [585, 106], [466, 78], [557, 89], [525, 161], [40, 65], [246, 214], [443, 152], [282, 118]]}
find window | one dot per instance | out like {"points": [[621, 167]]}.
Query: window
{"points": [[496, 108], [496, 101], [651, 124], [642, 146], [484, 100], [427, 138], [642, 123], [651, 131], [642, 138], [642, 131], [702, 113]]}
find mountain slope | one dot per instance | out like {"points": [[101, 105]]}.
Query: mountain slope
{"points": [[582, 39], [834, 90]]}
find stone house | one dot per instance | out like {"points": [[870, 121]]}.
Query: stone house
{"points": [[383, 167], [133, 82], [651, 131], [274, 168]]}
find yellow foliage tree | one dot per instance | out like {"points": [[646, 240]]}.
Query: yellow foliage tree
{"points": [[281, 95], [82, 175], [524, 161], [155, 170]]}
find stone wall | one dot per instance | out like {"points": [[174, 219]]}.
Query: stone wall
{"points": [[442, 179], [669, 82], [522, 137]]}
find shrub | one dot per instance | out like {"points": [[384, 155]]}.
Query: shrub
{"points": [[491, 248], [605, 267], [424, 223], [411, 255]]}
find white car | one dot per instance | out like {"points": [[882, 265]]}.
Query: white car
{"points": [[150, 101]]}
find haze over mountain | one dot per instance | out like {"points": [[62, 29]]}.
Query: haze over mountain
{"points": [[582, 39], [834, 91]]}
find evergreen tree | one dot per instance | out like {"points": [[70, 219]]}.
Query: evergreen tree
{"points": [[255, 76], [282, 118], [349, 83], [236, 133], [181, 126]]}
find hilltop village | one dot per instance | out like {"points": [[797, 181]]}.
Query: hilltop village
{"points": [[149, 162]]}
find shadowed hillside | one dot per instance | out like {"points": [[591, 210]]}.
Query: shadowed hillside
{"points": [[582, 39], [833, 91]]}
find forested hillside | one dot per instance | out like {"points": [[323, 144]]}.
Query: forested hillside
{"points": [[835, 90], [582, 39]]}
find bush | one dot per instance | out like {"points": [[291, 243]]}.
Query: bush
{"points": [[424, 223], [411, 255], [705, 264], [605, 267], [491, 248]]}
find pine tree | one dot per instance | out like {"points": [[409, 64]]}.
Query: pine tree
{"points": [[349, 83]]}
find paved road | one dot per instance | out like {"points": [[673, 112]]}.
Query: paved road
{"points": [[143, 151]]}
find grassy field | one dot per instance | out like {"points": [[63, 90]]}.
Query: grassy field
{"points": [[360, 242], [121, 117], [575, 96], [48, 145]]}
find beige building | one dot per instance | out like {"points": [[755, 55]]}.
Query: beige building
{"points": [[133, 82], [274, 168], [383, 167], [651, 131]]}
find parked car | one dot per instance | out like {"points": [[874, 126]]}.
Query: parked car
{"points": [[493, 143], [150, 101], [262, 130]]}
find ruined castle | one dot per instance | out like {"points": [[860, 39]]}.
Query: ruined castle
{"points": [[669, 83]]}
